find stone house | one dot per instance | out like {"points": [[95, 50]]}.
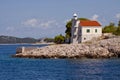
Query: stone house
{"points": [[84, 30]]}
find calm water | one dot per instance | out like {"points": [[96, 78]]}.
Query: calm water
{"points": [[55, 69]]}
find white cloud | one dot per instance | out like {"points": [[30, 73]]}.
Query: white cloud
{"points": [[95, 17], [31, 22], [48, 23], [118, 16], [37, 23]]}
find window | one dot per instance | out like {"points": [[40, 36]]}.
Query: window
{"points": [[95, 30], [88, 30]]}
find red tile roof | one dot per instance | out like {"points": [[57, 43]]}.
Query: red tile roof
{"points": [[89, 23]]}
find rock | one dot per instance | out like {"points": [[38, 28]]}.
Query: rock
{"points": [[107, 48]]}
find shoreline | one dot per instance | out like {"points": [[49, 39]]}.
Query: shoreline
{"points": [[27, 43], [106, 48]]}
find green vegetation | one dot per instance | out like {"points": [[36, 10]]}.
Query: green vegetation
{"points": [[68, 29], [118, 29], [49, 40], [111, 28], [119, 23], [117, 32], [59, 39]]}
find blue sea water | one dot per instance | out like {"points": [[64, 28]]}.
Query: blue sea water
{"points": [[55, 69]]}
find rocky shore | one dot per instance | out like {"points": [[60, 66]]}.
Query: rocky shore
{"points": [[106, 48]]}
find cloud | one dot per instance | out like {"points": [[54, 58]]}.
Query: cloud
{"points": [[95, 17], [31, 22], [48, 23], [39, 23], [118, 16]]}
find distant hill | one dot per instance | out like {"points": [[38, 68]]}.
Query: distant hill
{"points": [[11, 39]]}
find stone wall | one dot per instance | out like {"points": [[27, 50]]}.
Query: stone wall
{"points": [[24, 49]]}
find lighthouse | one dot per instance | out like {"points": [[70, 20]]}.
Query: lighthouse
{"points": [[84, 30], [74, 29]]}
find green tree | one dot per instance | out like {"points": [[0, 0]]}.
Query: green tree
{"points": [[109, 29], [49, 40], [118, 31], [59, 39], [119, 23], [68, 28]]}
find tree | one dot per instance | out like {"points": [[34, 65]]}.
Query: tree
{"points": [[49, 40], [59, 39], [119, 23], [109, 29], [112, 29], [117, 32], [68, 28]]}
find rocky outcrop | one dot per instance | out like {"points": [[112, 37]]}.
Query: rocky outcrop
{"points": [[107, 48]]}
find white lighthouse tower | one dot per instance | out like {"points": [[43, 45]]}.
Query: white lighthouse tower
{"points": [[74, 29]]}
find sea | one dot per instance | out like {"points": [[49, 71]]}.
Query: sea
{"points": [[54, 69]]}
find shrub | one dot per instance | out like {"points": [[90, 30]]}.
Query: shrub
{"points": [[59, 39]]}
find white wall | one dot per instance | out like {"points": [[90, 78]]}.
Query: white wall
{"points": [[92, 30], [88, 36]]}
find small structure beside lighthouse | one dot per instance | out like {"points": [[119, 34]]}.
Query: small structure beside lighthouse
{"points": [[84, 30]]}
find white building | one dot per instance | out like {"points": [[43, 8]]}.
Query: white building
{"points": [[84, 30]]}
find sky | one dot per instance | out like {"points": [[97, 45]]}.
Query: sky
{"points": [[47, 18]]}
